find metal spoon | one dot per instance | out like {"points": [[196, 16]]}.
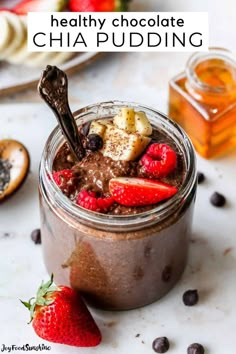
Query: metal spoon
{"points": [[53, 88]]}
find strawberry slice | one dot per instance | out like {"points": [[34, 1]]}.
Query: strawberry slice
{"points": [[25, 6], [98, 5], [139, 191]]}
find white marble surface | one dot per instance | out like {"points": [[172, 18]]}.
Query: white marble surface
{"points": [[212, 261], [209, 269]]}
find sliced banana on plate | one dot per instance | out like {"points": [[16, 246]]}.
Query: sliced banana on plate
{"points": [[13, 44], [21, 53], [17, 34], [6, 33]]}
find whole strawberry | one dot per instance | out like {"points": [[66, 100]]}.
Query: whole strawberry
{"points": [[98, 5], [59, 315]]}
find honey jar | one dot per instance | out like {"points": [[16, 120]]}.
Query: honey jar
{"points": [[203, 101]]}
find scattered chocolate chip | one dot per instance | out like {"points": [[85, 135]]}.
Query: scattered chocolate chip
{"points": [[166, 274], [94, 142], [161, 345], [200, 177], [196, 348], [217, 199], [36, 236], [137, 335], [190, 297]]}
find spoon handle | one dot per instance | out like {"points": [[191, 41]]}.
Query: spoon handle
{"points": [[53, 88]]}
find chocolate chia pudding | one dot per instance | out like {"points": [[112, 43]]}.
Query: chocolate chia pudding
{"points": [[115, 225]]}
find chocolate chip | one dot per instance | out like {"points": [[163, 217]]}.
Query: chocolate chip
{"points": [[94, 142], [196, 348], [217, 199], [161, 345], [200, 177], [36, 236], [190, 297]]}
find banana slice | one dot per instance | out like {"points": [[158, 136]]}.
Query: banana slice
{"points": [[97, 128], [121, 145], [6, 33], [125, 119], [17, 37], [21, 53], [142, 124], [125, 137]]}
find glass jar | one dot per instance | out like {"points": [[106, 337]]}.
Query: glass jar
{"points": [[117, 262], [203, 101]]}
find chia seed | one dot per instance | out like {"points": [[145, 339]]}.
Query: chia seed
{"points": [[5, 167]]}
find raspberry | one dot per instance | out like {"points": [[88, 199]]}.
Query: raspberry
{"points": [[88, 200], [62, 177], [159, 160]]}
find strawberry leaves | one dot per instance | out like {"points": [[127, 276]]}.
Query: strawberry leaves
{"points": [[42, 297]]}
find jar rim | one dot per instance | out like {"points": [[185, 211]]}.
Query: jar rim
{"points": [[198, 57], [63, 203]]}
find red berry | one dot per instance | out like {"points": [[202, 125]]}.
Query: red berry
{"points": [[139, 191], [88, 200], [98, 5], [159, 160], [62, 177]]}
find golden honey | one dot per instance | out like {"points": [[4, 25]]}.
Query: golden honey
{"points": [[203, 101]]}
